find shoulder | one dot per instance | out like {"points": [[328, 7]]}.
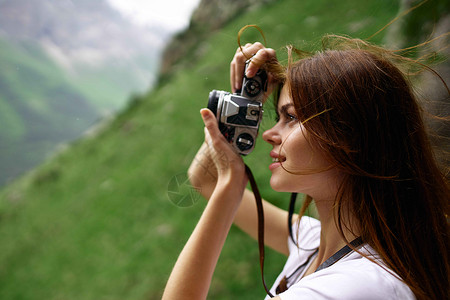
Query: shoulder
{"points": [[355, 277]]}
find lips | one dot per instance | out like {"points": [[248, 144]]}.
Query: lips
{"points": [[277, 159]]}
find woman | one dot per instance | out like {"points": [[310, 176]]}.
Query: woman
{"points": [[350, 136]]}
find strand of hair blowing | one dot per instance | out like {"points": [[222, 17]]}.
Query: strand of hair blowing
{"points": [[374, 133]]}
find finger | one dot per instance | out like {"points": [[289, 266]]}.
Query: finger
{"points": [[241, 59], [222, 152], [214, 136], [236, 73], [261, 57], [249, 50], [238, 63], [207, 137], [232, 76], [246, 46]]}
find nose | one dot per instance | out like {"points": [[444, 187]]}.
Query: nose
{"points": [[272, 136]]}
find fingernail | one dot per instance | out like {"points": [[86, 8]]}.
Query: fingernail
{"points": [[249, 73], [204, 113]]}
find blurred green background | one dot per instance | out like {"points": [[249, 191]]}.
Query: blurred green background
{"points": [[96, 221]]}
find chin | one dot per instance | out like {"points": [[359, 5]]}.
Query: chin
{"points": [[279, 186]]}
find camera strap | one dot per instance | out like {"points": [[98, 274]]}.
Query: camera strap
{"points": [[260, 211], [291, 214]]}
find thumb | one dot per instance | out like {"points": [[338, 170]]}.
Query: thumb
{"points": [[218, 141], [224, 156], [210, 122]]}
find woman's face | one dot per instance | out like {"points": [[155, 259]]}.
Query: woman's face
{"points": [[309, 172]]}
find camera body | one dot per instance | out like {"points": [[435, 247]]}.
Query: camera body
{"points": [[239, 115]]}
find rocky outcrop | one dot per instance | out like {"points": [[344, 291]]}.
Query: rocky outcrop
{"points": [[209, 16], [213, 14]]}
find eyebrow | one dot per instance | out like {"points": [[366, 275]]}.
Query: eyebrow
{"points": [[284, 108]]}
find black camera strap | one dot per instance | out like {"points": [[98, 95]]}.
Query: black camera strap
{"points": [[260, 211], [291, 214]]}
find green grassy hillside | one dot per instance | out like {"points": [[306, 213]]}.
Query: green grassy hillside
{"points": [[96, 221], [39, 108]]}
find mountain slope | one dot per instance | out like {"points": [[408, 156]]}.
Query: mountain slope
{"points": [[63, 65], [97, 221], [38, 115]]}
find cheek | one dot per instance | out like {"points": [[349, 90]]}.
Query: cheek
{"points": [[297, 149], [301, 156]]}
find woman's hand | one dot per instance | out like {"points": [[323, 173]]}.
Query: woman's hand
{"points": [[192, 273], [259, 55], [229, 164], [224, 183], [202, 172]]}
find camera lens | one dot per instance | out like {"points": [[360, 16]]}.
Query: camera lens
{"points": [[213, 101], [244, 141]]}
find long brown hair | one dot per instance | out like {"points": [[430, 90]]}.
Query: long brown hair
{"points": [[373, 132]]}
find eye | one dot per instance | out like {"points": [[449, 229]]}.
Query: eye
{"points": [[286, 117], [290, 117]]}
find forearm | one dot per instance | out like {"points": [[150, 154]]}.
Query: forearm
{"points": [[203, 175], [202, 172], [276, 230], [191, 276]]}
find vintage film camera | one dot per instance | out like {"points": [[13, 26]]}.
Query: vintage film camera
{"points": [[240, 114]]}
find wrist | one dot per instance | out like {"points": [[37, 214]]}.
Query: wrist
{"points": [[231, 187], [233, 177]]}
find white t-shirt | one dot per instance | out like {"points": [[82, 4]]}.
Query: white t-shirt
{"points": [[352, 277]]}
